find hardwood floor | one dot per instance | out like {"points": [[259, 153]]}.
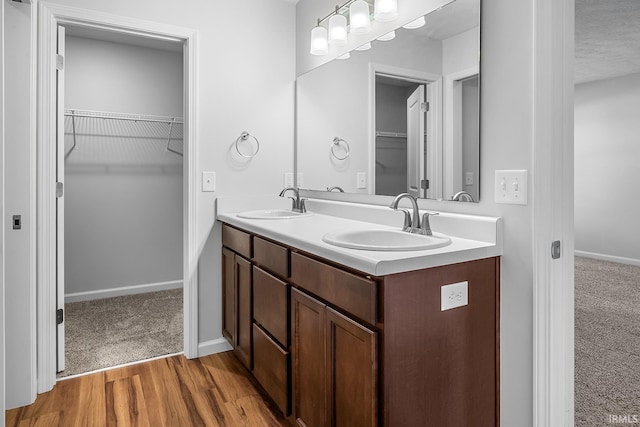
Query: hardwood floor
{"points": [[213, 390]]}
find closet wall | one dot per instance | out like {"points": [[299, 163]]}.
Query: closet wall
{"points": [[123, 207]]}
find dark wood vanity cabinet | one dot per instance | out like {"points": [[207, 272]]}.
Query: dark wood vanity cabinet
{"points": [[336, 347], [237, 293], [334, 366]]}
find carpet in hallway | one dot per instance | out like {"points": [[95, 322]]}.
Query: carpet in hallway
{"points": [[113, 331], [607, 341]]}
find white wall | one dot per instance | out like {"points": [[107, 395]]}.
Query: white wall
{"points": [[470, 134], [245, 75], [607, 151], [123, 207], [507, 143]]}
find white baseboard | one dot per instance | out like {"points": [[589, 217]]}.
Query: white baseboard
{"points": [[125, 290], [214, 346], [603, 257]]}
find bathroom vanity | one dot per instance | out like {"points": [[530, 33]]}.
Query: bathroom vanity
{"points": [[334, 344]]}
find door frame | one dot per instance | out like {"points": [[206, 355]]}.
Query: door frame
{"points": [[435, 122], [452, 146], [49, 17]]}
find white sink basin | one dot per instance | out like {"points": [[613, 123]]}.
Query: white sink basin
{"points": [[272, 214], [385, 240]]}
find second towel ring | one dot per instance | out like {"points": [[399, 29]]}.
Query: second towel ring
{"points": [[243, 137], [336, 143]]}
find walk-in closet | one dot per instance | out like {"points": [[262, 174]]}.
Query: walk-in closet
{"points": [[123, 199]]}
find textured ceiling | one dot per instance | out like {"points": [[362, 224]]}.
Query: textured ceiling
{"points": [[607, 39]]}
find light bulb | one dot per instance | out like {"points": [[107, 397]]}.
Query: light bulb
{"points": [[415, 24], [387, 37], [385, 10], [319, 44], [359, 17], [338, 30]]}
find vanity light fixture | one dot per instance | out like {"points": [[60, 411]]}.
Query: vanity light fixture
{"points": [[337, 30], [365, 46], [359, 17], [389, 36], [415, 24], [319, 42], [385, 10]]}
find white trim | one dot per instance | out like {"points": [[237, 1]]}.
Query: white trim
{"points": [[124, 365], [121, 291], [552, 190], [610, 258], [435, 82], [214, 346], [50, 15]]}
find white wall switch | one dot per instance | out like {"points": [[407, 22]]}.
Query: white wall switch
{"points": [[299, 180], [361, 180], [454, 295], [288, 179], [208, 181], [468, 178], [511, 187]]}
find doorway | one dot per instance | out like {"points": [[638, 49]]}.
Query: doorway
{"points": [[50, 17], [405, 144], [120, 216]]}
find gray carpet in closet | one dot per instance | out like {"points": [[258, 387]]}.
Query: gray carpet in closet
{"points": [[112, 331], [607, 341]]}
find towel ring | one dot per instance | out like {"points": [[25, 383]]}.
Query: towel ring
{"points": [[336, 143], [243, 137]]}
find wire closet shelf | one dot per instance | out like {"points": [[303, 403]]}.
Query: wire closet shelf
{"points": [[98, 137]]}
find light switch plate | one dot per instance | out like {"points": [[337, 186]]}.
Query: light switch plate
{"points": [[454, 295], [511, 187], [208, 181], [361, 178], [468, 178]]}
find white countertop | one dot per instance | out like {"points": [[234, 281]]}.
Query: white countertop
{"points": [[305, 233]]}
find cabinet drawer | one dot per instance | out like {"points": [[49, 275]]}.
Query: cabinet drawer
{"points": [[236, 240], [352, 293], [271, 368], [271, 256], [270, 296]]}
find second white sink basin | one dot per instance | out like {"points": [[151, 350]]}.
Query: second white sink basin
{"points": [[385, 240], [272, 214]]}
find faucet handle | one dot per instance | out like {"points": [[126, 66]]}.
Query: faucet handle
{"points": [[407, 220], [425, 227], [302, 207]]}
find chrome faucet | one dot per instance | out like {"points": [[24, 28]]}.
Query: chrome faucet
{"points": [[413, 225], [462, 196], [297, 203], [335, 187]]}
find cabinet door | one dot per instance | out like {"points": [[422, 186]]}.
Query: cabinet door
{"points": [[229, 296], [308, 321], [351, 372], [244, 316]]}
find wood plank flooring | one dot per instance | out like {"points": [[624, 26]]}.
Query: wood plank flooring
{"points": [[213, 390]]}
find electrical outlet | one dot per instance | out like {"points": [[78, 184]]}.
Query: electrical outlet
{"points": [[511, 187], [288, 179], [208, 181], [361, 180], [468, 178], [300, 180], [454, 295]]}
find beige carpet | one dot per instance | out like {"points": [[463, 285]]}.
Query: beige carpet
{"points": [[607, 342], [112, 331]]}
